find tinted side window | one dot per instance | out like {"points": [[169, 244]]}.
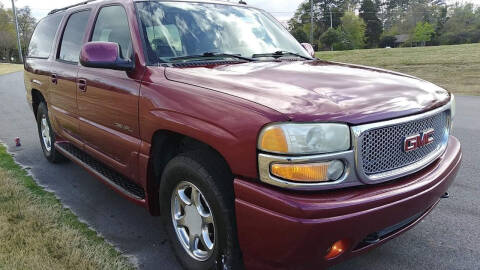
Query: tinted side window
{"points": [[112, 26], [73, 36], [43, 37]]}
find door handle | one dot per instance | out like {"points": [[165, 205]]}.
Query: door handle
{"points": [[53, 78], [82, 85]]}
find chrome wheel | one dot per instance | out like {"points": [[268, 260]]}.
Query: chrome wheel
{"points": [[45, 130], [193, 221]]}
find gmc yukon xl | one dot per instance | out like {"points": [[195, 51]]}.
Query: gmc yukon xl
{"points": [[256, 154]]}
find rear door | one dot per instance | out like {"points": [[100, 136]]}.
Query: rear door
{"points": [[63, 89], [108, 100], [37, 64]]}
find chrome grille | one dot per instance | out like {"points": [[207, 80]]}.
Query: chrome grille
{"points": [[380, 150]]}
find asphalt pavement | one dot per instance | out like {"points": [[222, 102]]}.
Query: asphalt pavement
{"points": [[449, 238]]}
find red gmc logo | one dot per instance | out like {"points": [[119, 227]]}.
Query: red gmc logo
{"points": [[419, 140]]}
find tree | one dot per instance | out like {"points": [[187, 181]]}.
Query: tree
{"points": [[405, 14], [353, 28], [26, 25], [300, 22], [299, 34], [441, 19], [374, 28], [330, 37], [462, 26], [7, 35], [344, 41], [384, 19], [423, 32]]}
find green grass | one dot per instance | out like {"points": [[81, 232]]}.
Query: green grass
{"points": [[455, 67], [37, 232], [10, 68]]}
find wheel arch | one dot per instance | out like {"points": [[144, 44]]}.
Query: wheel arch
{"points": [[37, 98], [166, 145]]}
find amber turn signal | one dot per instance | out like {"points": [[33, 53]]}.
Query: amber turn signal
{"points": [[273, 140], [309, 173], [314, 172], [337, 249]]}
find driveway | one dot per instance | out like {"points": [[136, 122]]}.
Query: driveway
{"points": [[449, 238]]}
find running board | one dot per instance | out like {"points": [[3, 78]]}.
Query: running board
{"points": [[100, 170]]}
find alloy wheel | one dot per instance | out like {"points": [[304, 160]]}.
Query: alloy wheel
{"points": [[193, 221], [45, 130]]}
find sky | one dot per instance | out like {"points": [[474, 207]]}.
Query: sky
{"points": [[283, 10]]}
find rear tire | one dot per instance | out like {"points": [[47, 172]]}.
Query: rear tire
{"points": [[205, 172], [47, 136]]}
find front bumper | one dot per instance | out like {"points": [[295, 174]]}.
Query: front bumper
{"points": [[281, 229]]}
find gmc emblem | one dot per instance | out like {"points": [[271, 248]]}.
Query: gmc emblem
{"points": [[419, 140]]}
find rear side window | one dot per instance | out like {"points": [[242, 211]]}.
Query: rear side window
{"points": [[44, 37], [112, 26], [73, 36]]}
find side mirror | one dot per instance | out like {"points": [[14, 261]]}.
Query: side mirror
{"points": [[104, 55], [309, 48]]}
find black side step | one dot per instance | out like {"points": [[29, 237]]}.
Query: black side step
{"points": [[110, 176]]}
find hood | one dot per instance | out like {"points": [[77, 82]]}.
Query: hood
{"points": [[318, 91]]}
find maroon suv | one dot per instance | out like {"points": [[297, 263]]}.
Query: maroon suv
{"points": [[255, 153]]}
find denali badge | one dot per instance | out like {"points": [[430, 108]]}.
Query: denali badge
{"points": [[419, 140]]}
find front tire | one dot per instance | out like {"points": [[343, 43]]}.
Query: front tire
{"points": [[47, 136], [197, 206]]}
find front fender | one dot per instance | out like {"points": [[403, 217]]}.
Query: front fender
{"points": [[228, 124]]}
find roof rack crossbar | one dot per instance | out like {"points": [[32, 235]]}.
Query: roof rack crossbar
{"points": [[65, 8]]}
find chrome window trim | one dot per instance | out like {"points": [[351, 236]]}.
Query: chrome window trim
{"points": [[357, 132]]}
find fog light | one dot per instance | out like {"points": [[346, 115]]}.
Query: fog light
{"points": [[337, 249], [311, 172]]}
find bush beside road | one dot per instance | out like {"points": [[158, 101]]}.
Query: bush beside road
{"points": [[36, 232], [454, 67]]}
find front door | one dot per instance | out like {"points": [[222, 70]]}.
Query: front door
{"points": [[108, 99]]}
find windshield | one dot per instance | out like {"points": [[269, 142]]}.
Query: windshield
{"points": [[182, 29]]}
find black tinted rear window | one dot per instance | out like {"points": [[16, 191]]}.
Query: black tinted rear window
{"points": [[43, 37]]}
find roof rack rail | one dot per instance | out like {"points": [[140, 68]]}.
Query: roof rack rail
{"points": [[67, 7]]}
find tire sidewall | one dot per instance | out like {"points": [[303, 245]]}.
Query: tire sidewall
{"points": [[174, 173], [42, 110]]}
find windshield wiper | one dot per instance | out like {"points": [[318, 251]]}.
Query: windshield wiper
{"points": [[279, 54], [212, 55]]}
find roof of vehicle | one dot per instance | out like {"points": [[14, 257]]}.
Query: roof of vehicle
{"points": [[225, 2]]}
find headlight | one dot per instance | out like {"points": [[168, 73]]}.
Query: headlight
{"points": [[304, 138]]}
